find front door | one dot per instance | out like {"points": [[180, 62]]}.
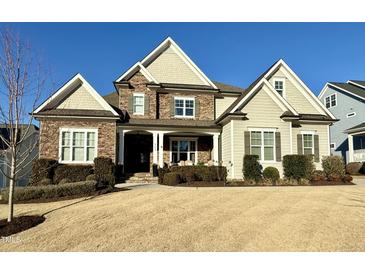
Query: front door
{"points": [[137, 151]]}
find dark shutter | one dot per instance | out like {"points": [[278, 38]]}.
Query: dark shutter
{"points": [[146, 105], [172, 107], [300, 144], [316, 148], [278, 146], [247, 142], [130, 103], [197, 108]]}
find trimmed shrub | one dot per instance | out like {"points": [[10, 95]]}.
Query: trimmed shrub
{"points": [[75, 173], [161, 174], [172, 179], [362, 169], [252, 170], [201, 173], [298, 166], [91, 177], [333, 166], [353, 168], [51, 191], [272, 174], [104, 171], [65, 181], [318, 175], [42, 169]]}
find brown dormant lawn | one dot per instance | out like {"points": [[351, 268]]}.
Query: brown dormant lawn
{"points": [[328, 218]]}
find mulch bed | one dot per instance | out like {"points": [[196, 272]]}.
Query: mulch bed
{"points": [[237, 184], [19, 224]]}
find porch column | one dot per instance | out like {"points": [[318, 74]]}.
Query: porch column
{"points": [[121, 147], [216, 148], [155, 147], [351, 148], [160, 149]]}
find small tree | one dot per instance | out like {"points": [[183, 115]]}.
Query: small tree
{"points": [[21, 82]]}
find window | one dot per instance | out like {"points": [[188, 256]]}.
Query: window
{"points": [[263, 144], [78, 145], [184, 107], [183, 150], [279, 86], [331, 101], [351, 114], [138, 104], [333, 145], [308, 147]]}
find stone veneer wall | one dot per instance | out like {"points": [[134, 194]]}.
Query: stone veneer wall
{"points": [[205, 101], [50, 132], [138, 83]]}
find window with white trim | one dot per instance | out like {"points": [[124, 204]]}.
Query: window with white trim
{"points": [[279, 87], [263, 144], [308, 143], [138, 104], [331, 101], [78, 145], [183, 150], [350, 114], [184, 107]]}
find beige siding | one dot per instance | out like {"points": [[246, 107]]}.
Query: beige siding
{"points": [[80, 99], [321, 131], [169, 67], [262, 112], [226, 147], [221, 104], [294, 96]]}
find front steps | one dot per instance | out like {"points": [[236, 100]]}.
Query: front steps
{"points": [[140, 177]]}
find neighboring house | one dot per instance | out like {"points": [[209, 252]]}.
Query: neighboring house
{"points": [[167, 111], [346, 101], [28, 149]]}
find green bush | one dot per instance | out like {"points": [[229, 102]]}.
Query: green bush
{"points": [[161, 174], [172, 179], [42, 169], [298, 166], [75, 173], [272, 174], [91, 177], [64, 181], [201, 173], [51, 191], [104, 171], [333, 166], [252, 170]]}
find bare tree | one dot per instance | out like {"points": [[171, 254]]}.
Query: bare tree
{"points": [[21, 82]]}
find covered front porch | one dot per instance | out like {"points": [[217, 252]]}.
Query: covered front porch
{"points": [[356, 141], [140, 148]]}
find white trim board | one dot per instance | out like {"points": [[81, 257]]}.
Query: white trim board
{"points": [[134, 69], [93, 92]]}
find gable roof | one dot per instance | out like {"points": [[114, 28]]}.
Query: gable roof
{"points": [[359, 83], [356, 128], [348, 87], [262, 79], [47, 107], [153, 55], [228, 88]]}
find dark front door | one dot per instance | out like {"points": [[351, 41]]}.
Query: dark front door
{"points": [[137, 149]]}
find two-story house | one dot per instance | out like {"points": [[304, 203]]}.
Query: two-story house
{"points": [[165, 110], [346, 101]]}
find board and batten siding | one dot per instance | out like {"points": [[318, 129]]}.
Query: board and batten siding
{"points": [[226, 148], [169, 67], [322, 132], [221, 104], [293, 95], [80, 99]]}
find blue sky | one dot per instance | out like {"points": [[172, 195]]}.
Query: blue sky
{"points": [[234, 53]]}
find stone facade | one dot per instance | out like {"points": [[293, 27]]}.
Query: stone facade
{"points": [[205, 102], [50, 132], [138, 84], [160, 104]]}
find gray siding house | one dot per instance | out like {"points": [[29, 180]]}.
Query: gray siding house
{"points": [[346, 101]]}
